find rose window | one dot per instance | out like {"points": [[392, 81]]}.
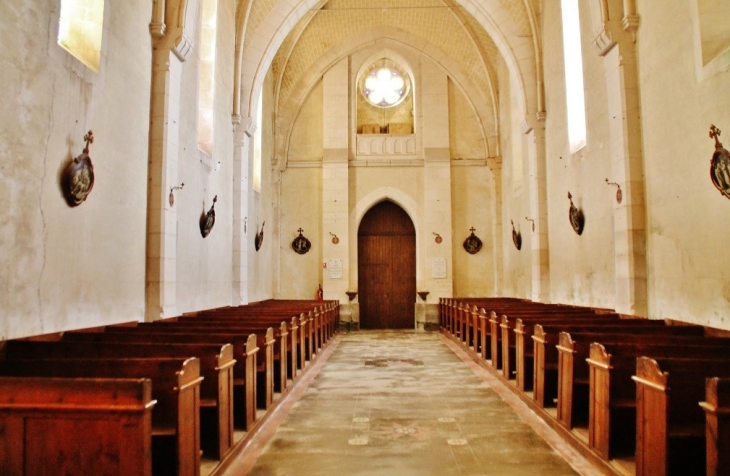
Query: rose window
{"points": [[385, 85]]}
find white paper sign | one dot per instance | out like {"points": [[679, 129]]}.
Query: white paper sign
{"points": [[438, 268], [335, 268]]}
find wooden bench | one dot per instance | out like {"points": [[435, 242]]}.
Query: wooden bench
{"points": [[537, 364], [324, 314], [500, 335], [37, 415], [242, 371], [514, 351], [175, 385], [280, 348], [613, 395], [717, 425], [305, 327], [573, 372], [298, 332], [670, 425], [450, 309], [215, 363]]}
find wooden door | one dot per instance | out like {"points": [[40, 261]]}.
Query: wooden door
{"points": [[386, 248]]}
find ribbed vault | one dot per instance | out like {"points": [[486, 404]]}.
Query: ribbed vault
{"points": [[292, 36]]}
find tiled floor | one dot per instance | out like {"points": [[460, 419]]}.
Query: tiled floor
{"points": [[402, 403]]}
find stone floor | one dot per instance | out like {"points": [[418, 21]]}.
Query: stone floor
{"points": [[403, 403]]}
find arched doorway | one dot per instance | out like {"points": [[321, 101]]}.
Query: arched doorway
{"points": [[386, 250]]}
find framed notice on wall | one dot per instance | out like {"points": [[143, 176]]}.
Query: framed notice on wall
{"points": [[334, 266], [438, 268]]}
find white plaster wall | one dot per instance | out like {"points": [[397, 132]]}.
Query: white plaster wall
{"points": [[61, 267], [581, 267], [470, 196], [687, 218], [466, 140], [306, 138], [204, 270], [301, 202]]}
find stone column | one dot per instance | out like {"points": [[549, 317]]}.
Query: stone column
{"points": [[335, 180], [495, 165], [171, 47], [539, 246], [241, 223], [627, 163]]}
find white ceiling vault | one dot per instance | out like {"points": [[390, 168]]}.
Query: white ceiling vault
{"points": [[300, 39]]}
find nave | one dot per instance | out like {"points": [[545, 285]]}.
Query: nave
{"points": [[405, 403]]}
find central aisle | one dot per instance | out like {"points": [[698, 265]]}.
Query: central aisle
{"points": [[399, 403]]}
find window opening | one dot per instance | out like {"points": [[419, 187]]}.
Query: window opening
{"points": [[714, 33], [385, 84], [257, 146], [80, 29], [574, 91], [206, 76]]}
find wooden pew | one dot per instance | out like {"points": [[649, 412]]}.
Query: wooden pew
{"points": [[613, 395], [175, 386], [299, 334], [500, 335], [287, 338], [242, 371], [215, 363], [515, 353], [280, 347], [37, 416], [263, 316], [717, 425], [670, 425], [324, 315], [525, 351], [573, 373]]}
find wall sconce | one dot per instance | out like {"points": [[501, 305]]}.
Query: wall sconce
{"points": [[171, 199], [423, 295], [619, 193], [438, 238], [533, 222], [335, 240]]}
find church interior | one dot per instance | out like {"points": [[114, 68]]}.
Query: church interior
{"points": [[169, 158]]}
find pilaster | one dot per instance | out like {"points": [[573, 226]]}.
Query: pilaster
{"points": [[627, 168], [335, 179], [539, 245]]}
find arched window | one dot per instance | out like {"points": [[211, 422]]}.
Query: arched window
{"points": [[206, 76], [574, 92], [80, 29]]}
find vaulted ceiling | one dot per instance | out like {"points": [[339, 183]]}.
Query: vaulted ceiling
{"points": [[299, 40]]}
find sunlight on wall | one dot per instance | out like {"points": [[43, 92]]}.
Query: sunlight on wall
{"points": [[80, 30], [206, 76], [257, 147], [714, 31], [573, 75]]}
